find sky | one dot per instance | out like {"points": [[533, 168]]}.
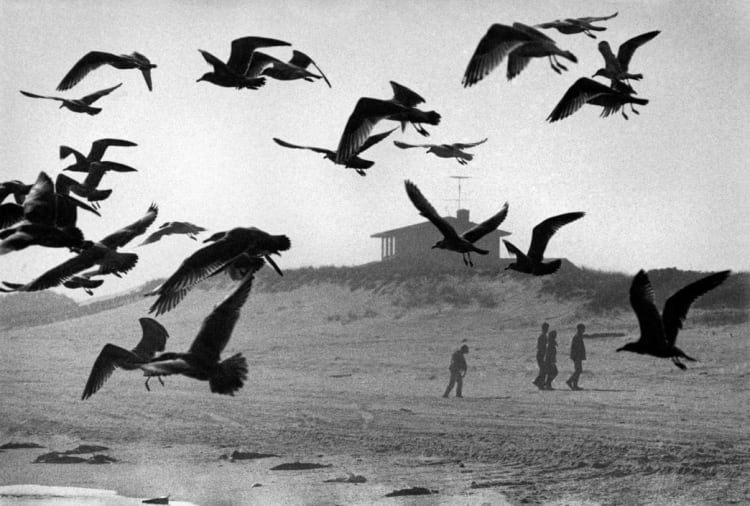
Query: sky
{"points": [[668, 188]]}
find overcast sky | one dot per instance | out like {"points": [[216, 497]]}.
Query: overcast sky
{"points": [[668, 188]]}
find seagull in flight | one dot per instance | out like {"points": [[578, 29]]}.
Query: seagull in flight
{"points": [[238, 71], [455, 150], [96, 59], [587, 91], [531, 262], [577, 25], [82, 105]]}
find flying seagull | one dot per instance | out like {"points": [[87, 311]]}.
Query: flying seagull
{"points": [[355, 162], [616, 68], [174, 227], [531, 262], [96, 59], [112, 356], [451, 241], [226, 247], [455, 150], [98, 148], [295, 68], [577, 25], [202, 360], [519, 43], [237, 71], [588, 91], [659, 332], [82, 105], [369, 111]]}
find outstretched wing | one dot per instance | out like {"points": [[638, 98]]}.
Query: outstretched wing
{"points": [[243, 48], [481, 229], [374, 139], [89, 62], [34, 95], [129, 232], [676, 307], [217, 327], [405, 96], [90, 99], [301, 60], [98, 147], [154, 338], [493, 47], [642, 301], [110, 358], [583, 90], [625, 53], [295, 146], [426, 210], [406, 145], [466, 145], [544, 231], [363, 118]]}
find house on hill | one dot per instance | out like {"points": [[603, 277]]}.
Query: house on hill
{"points": [[414, 243]]}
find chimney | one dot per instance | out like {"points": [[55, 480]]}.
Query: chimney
{"points": [[462, 215]]}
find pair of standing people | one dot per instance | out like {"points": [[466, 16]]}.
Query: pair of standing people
{"points": [[546, 358]]}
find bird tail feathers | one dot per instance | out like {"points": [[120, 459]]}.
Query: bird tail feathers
{"points": [[231, 375]]}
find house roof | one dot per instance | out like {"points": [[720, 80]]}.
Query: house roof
{"points": [[460, 226]]}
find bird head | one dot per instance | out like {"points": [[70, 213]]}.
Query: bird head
{"points": [[215, 237], [208, 76], [600, 73], [440, 244]]}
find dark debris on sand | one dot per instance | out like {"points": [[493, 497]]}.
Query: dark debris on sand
{"points": [[299, 466], [68, 457], [17, 446], [238, 455], [411, 491]]}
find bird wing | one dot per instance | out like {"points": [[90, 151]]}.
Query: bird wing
{"points": [[10, 214], [466, 145], [109, 359], [295, 146], [366, 114], [156, 236], [301, 60], [625, 53], [583, 90], [89, 62], [192, 271], [676, 307], [243, 48], [217, 327], [520, 255], [610, 61], [405, 145], [258, 62], [592, 19], [60, 273], [493, 47], [128, 233], [481, 229], [216, 63], [642, 301], [66, 151], [165, 367], [516, 63], [34, 95], [405, 96], [374, 139], [98, 147], [558, 23], [39, 205], [90, 99], [426, 210], [544, 231], [532, 32], [154, 338], [117, 167]]}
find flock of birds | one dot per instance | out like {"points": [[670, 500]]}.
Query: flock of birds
{"points": [[45, 212]]}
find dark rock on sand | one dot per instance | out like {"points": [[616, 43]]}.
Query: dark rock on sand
{"points": [[352, 478], [17, 446], [238, 455], [411, 491], [299, 466], [58, 458], [85, 449], [100, 459], [157, 500]]}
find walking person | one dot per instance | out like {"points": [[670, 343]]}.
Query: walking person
{"points": [[550, 360], [541, 352], [458, 371], [577, 355]]}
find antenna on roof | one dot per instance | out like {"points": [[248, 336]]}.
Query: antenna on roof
{"points": [[459, 178]]}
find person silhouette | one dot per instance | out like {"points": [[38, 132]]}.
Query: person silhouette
{"points": [[550, 360], [458, 371], [577, 355], [541, 351]]}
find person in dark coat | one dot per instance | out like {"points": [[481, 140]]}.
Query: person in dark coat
{"points": [[458, 370], [577, 355], [541, 351], [550, 360]]}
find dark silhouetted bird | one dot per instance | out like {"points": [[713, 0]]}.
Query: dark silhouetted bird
{"points": [[89, 188], [226, 248], [96, 59], [98, 147], [202, 360], [174, 227], [577, 25], [463, 243], [588, 91], [103, 253], [369, 111], [112, 356], [82, 105], [616, 68], [296, 68], [237, 71], [519, 43], [455, 150], [84, 282], [18, 189], [659, 331], [531, 262], [355, 162]]}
